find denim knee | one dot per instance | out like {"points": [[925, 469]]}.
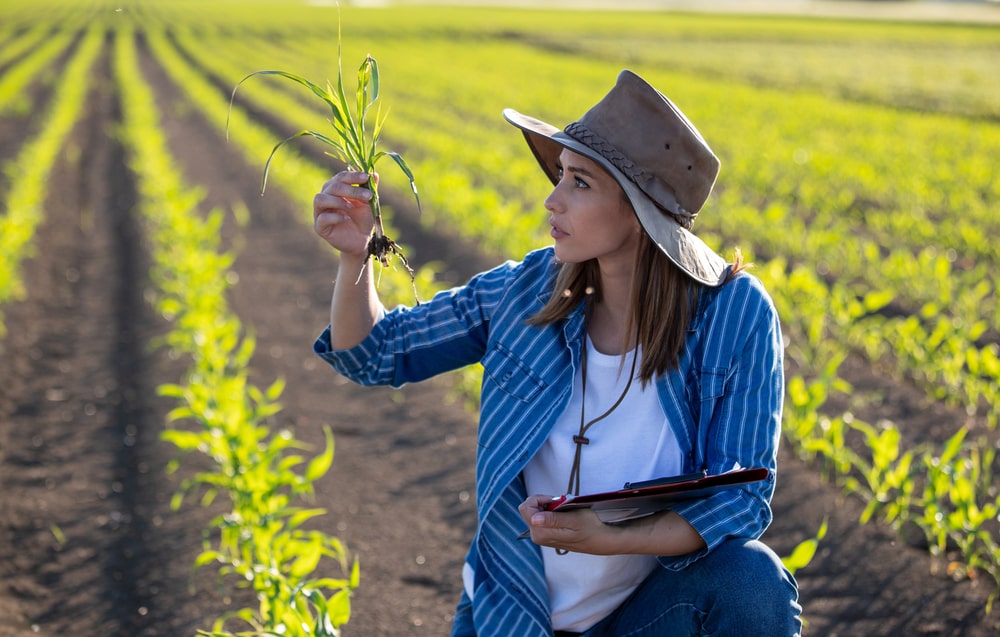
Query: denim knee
{"points": [[739, 589], [752, 589]]}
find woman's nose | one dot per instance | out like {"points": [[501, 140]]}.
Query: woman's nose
{"points": [[552, 201]]}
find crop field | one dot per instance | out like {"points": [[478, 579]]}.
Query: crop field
{"points": [[173, 458]]}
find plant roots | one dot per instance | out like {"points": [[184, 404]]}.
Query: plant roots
{"points": [[381, 248]]}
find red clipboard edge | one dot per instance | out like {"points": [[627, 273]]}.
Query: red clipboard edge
{"points": [[682, 490]]}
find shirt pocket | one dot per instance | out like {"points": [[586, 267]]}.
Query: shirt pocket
{"points": [[711, 383], [511, 375]]}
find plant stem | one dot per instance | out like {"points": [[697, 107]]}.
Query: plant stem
{"points": [[376, 208]]}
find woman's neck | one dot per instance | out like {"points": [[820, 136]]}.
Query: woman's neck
{"points": [[609, 317]]}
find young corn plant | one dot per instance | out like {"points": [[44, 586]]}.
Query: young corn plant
{"points": [[887, 480], [352, 142], [805, 551]]}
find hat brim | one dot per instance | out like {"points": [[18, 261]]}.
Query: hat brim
{"points": [[680, 245]]}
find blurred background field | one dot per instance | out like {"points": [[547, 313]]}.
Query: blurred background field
{"points": [[859, 145]]}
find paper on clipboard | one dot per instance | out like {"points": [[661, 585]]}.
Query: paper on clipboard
{"points": [[635, 502]]}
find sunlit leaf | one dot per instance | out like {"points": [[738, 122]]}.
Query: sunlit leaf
{"points": [[319, 465]]}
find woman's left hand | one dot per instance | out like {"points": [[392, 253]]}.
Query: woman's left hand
{"points": [[578, 531], [581, 531]]}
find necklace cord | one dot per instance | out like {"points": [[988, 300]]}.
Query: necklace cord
{"points": [[581, 439]]}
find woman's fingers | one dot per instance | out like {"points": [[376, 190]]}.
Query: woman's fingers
{"points": [[344, 191], [341, 213], [351, 185]]}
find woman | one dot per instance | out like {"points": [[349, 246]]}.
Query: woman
{"points": [[627, 351]]}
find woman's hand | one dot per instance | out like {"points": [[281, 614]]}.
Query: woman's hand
{"points": [[342, 216], [579, 531]]}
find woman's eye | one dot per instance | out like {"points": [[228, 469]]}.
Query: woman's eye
{"points": [[577, 181]]}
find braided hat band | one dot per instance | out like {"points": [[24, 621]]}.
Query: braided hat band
{"points": [[581, 133], [655, 154]]}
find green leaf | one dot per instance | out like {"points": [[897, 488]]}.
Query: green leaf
{"points": [[803, 554], [274, 391], [171, 390], [349, 128], [339, 606], [355, 574], [206, 557], [953, 446], [209, 497], [877, 299], [319, 465], [409, 175], [328, 583], [318, 90], [307, 560], [288, 462], [299, 517], [263, 411], [58, 534], [245, 352], [314, 134], [179, 413], [364, 77], [375, 78], [185, 440]]}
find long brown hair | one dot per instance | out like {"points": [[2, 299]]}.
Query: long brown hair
{"points": [[662, 303]]}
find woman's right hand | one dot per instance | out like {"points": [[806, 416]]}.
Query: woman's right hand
{"points": [[342, 215]]}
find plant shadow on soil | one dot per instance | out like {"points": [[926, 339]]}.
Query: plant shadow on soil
{"points": [[88, 542]]}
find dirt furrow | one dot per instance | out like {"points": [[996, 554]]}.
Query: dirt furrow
{"points": [[87, 545], [72, 395]]}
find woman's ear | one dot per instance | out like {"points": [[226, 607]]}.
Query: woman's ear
{"points": [[626, 210]]}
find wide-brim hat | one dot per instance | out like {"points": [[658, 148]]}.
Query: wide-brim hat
{"points": [[654, 153]]}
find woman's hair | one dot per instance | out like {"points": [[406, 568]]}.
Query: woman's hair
{"points": [[663, 300]]}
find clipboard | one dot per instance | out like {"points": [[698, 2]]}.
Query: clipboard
{"points": [[637, 500]]}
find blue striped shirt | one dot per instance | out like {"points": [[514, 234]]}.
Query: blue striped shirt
{"points": [[724, 401]]}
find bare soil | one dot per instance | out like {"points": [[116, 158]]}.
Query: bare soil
{"points": [[88, 542]]}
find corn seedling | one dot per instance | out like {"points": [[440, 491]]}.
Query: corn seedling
{"points": [[352, 142], [960, 508], [887, 479], [805, 551]]}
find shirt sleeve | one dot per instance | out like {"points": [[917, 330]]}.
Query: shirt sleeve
{"points": [[410, 344], [739, 422]]}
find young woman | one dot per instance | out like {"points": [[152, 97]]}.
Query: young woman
{"points": [[627, 351]]}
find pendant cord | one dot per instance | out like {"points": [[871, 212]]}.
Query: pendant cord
{"points": [[581, 439]]}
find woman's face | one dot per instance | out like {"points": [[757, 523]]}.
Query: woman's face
{"points": [[589, 214]]}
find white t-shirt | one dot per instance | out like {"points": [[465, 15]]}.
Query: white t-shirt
{"points": [[633, 443]]}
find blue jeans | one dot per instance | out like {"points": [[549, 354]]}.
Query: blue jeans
{"points": [[739, 589]]}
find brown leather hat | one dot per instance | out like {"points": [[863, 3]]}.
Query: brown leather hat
{"points": [[654, 153]]}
